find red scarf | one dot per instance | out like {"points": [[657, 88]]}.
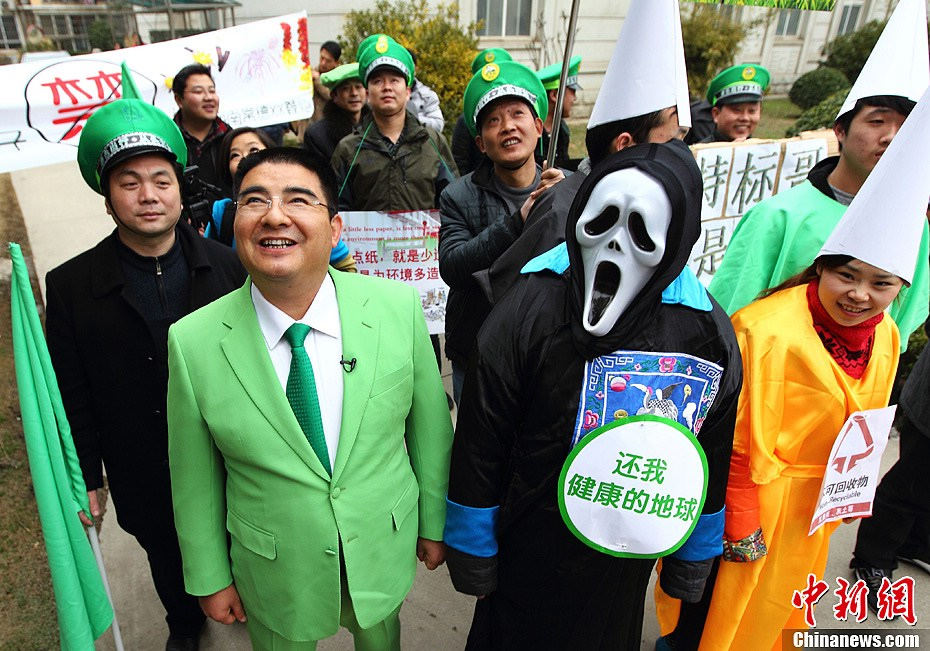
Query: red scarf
{"points": [[849, 346]]}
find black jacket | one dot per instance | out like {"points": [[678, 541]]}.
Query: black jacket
{"points": [[477, 226], [112, 375], [464, 150], [544, 229], [321, 137]]}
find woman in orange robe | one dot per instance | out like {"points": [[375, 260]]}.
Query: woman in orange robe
{"points": [[815, 350]]}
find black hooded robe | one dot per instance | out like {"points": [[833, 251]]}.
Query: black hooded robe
{"points": [[520, 412]]}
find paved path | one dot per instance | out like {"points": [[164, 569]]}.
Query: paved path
{"points": [[63, 217]]}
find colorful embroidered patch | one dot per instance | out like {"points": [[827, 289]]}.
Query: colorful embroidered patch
{"points": [[676, 386]]}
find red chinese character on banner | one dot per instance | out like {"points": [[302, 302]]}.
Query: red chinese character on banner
{"points": [[61, 96], [896, 599], [371, 257], [400, 256], [419, 274], [851, 600], [357, 256], [432, 273], [407, 274], [809, 596], [413, 255]]}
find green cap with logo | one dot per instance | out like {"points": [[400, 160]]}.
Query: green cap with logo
{"points": [[340, 75], [384, 51], [743, 83], [490, 55], [123, 129], [505, 79], [368, 40], [550, 75]]}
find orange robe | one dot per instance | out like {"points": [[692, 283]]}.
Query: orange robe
{"points": [[795, 400]]}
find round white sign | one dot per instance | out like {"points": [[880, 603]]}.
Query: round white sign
{"points": [[635, 487]]}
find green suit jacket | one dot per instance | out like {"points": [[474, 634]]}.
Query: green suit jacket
{"points": [[240, 462]]}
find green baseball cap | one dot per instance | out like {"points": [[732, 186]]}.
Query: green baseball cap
{"points": [[385, 51], [490, 55], [340, 75], [123, 129], [505, 79], [550, 75], [743, 83]]}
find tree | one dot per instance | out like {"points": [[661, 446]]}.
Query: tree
{"points": [[848, 53], [444, 48], [100, 34], [711, 40]]}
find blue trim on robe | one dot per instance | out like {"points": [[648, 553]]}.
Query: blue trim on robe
{"points": [[685, 290], [555, 259], [471, 530], [706, 541]]}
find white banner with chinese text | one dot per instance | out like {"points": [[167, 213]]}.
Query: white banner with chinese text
{"points": [[261, 71], [401, 246], [737, 176]]}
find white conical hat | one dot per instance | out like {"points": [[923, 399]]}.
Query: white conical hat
{"points": [[898, 64], [647, 69], [884, 223]]}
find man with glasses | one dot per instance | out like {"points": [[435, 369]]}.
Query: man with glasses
{"points": [[307, 419], [107, 317], [203, 130]]}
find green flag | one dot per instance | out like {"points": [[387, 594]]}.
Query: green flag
{"points": [[84, 612], [813, 5]]}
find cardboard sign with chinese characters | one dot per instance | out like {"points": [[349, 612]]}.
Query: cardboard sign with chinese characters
{"points": [[634, 488], [737, 177], [853, 470], [401, 246], [261, 71]]}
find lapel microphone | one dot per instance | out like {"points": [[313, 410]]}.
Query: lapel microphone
{"points": [[348, 365]]}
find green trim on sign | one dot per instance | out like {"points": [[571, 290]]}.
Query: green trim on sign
{"points": [[588, 438]]}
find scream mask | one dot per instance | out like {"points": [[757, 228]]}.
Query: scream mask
{"points": [[622, 234]]}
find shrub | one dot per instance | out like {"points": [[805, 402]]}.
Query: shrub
{"points": [[443, 46], [819, 116], [100, 35], [813, 87], [848, 53], [711, 40]]}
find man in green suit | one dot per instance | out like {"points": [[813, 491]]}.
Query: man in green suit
{"points": [[329, 475]]}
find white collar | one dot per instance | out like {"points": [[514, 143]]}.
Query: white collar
{"points": [[322, 315]]}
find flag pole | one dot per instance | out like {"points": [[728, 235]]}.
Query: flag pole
{"points": [[98, 556], [557, 118]]}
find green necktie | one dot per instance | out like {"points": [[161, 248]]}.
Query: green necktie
{"points": [[301, 393]]}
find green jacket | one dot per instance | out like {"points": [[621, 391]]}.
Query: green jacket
{"points": [[781, 236], [240, 462], [407, 175]]}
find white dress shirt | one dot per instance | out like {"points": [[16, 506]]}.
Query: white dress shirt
{"points": [[323, 346]]}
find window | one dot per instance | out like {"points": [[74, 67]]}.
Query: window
{"points": [[9, 35], [505, 17], [849, 19], [789, 22]]}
